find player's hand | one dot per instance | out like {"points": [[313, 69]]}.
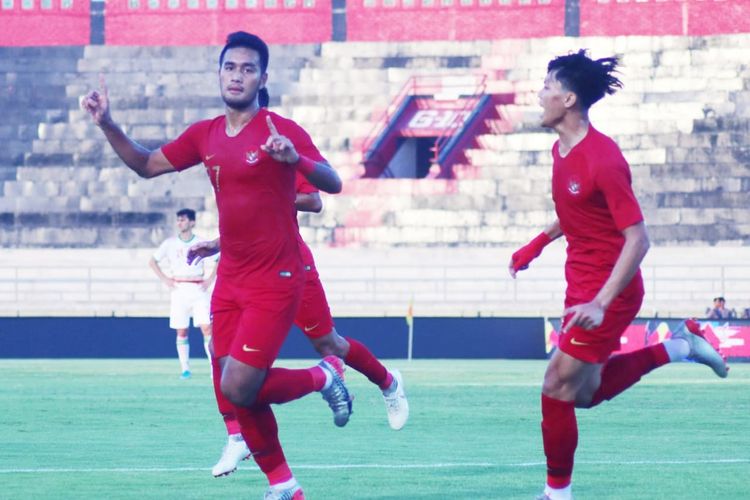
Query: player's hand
{"points": [[171, 283], [587, 316], [522, 257], [279, 147], [201, 250], [96, 104]]}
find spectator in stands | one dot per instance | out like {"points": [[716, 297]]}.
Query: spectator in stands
{"points": [[601, 220], [252, 157], [720, 311], [746, 313], [188, 285]]}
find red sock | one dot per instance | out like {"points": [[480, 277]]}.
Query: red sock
{"points": [[262, 437], [621, 372], [226, 408], [280, 474], [560, 436], [361, 359], [283, 385]]}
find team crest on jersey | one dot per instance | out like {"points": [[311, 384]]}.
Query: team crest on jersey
{"points": [[252, 157], [574, 187]]}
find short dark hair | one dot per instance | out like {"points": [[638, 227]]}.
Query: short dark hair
{"points": [[186, 212], [253, 42], [587, 78], [720, 299]]}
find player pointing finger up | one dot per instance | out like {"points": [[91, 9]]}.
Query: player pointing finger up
{"points": [[278, 146]]}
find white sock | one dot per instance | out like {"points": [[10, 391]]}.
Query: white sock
{"points": [[183, 353], [236, 437], [329, 379], [206, 341], [291, 483], [677, 349], [559, 493], [392, 387]]}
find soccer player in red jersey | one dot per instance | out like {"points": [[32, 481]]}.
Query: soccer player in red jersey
{"points": [[315, 321], [601, 220], [251, 157]]}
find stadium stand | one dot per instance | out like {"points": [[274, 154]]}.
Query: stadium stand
{"points": [[29, 23], [682, 121], [401, 20], [207, 22], [668, 118], [663, 17]]}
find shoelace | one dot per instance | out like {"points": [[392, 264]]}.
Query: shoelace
{"points": [[392, 402]]}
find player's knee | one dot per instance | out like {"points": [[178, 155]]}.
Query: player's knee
{"points": [[331, 345], [553, 386], [236, 393]]}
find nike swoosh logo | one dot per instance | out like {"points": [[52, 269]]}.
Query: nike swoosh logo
{"points": [[208, 157], [311, 328], [249, 349], [575, 342]]}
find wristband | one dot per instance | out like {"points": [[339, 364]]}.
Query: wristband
{"points": [[305, 165]]}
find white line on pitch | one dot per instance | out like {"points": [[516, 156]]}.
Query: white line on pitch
{"points": [[385, 466]]}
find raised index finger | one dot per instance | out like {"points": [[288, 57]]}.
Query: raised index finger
{"points": [[272, 127]]}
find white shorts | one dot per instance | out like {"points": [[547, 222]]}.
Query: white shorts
{"points": [[189, 300]]}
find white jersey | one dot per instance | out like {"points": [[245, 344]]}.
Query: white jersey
{"points": [[174, 251]]}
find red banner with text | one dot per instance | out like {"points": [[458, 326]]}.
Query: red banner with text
{"points": [[731, 337]]}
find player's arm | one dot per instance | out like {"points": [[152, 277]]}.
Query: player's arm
{"points": [[308, 202], [203, 249], [522, 257], [144, 162], [319, 173], [166, 279], [591, 314]]}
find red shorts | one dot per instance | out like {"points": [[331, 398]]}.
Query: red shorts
{"points": [[595, 346], [251, 324], [314, 315]]}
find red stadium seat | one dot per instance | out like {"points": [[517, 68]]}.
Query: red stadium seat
{"points": [[405, 20], [207, 22], [44, 22], [664, 17]]}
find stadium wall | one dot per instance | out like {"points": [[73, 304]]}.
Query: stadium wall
{"points": [[76, 337], [366, 282], [433, 337]]}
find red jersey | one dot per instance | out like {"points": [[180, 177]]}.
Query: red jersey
{"points": [[302, 186], [594, 201], [254, 194]]}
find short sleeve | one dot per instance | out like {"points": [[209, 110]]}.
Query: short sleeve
{"points": [[161, 252], [185, 151], [615, 182]]}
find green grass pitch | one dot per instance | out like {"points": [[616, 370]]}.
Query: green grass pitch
{"points": [[111, 429]]}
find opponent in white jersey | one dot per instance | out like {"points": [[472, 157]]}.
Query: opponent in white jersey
{"points": [[190, 288]]}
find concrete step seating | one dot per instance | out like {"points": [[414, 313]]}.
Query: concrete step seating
{"points": [[682, 121]]}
